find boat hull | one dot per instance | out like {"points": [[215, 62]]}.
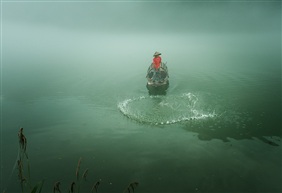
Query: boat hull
{"points": [[157, 90], [157, 78]]}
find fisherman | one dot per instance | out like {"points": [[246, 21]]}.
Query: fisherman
{"points": [[157, 60]]}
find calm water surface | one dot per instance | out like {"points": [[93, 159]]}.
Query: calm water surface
{"points": [[78, 90]]}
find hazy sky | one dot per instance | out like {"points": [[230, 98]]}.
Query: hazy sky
{"points": [[148, 17], [119, 33]]}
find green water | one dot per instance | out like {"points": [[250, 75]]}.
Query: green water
{"points": [[73, 76]]}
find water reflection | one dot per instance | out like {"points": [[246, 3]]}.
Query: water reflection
{"points": [[160, 90], [237, 126]]}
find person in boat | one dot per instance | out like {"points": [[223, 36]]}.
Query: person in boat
{"points": [[157, 60]]}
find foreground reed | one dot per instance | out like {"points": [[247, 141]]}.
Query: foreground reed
{"points": [[26, 185], [24, 178], [131, 187]]}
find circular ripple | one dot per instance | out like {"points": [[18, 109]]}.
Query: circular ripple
{"points": [[160, 110]]}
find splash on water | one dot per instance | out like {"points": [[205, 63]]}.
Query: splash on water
{"points": [[164, 110]]}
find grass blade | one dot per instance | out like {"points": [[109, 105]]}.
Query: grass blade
{"points": [[41, 183]]}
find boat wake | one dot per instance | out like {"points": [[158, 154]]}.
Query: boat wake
{"points": [[164, 110]]}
